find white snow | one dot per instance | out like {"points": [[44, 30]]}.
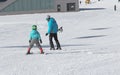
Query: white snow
{"points": [[90, 42]]}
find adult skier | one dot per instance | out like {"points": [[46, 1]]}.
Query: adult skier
{"points": [[52, 31], [34, 39]]}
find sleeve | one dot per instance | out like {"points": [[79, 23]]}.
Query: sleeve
{"points": [[49, 27], [56, 24], [39, 36], [30, 36]]}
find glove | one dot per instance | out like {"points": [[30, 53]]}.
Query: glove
{"points": [[40, 41], [60, 29], [29, 41], [46, 34]]}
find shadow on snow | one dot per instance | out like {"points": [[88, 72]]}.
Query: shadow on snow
{"points": [[88, 37], [46, 46], [99, 28]]}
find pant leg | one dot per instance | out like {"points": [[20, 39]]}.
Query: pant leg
{"points": [[38, 44], [51, 41], [31, 43], [56, 40]]}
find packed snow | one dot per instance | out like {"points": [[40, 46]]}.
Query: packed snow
{"points": [[90, 42]]}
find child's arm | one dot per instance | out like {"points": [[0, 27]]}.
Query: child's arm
{"points": [[39, 37], [30, 37]]}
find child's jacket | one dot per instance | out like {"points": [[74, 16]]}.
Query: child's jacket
{"points": [[34, 34]]}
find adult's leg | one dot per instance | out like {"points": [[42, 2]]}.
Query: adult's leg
{"points": [[51, 41], [57, 42]]}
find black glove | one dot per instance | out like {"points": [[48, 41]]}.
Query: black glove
{"points": [[60, 29], [46, 34], [29, 41], [40, 41]]}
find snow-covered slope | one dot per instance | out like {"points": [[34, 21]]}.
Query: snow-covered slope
{"points": [[90, 42]]}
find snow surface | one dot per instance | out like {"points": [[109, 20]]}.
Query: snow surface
{"points": [[90, 42]]}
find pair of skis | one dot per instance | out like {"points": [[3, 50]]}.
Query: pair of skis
{"points": [[39, 53]]}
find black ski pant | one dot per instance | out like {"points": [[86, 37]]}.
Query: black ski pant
{"points": [[51, 36]]}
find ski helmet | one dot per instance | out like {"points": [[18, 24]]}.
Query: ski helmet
{"points": [[34, 27]]}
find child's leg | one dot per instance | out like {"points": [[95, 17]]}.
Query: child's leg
{"points": [[28, 50], [39, 46], [41, 51], [30, 45]]}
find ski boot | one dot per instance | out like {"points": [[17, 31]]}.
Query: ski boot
{"points": [[28, 53], [52, 48], [58, 48], [41, 50]]}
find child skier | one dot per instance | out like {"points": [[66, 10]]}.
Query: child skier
{"points": [[34, 39]]}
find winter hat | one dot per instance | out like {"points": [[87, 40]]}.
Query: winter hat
{"points": [[34, 27], [48, 17]]}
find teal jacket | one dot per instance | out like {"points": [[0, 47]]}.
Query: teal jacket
{"points": [[34, 34], [52, 26]]}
